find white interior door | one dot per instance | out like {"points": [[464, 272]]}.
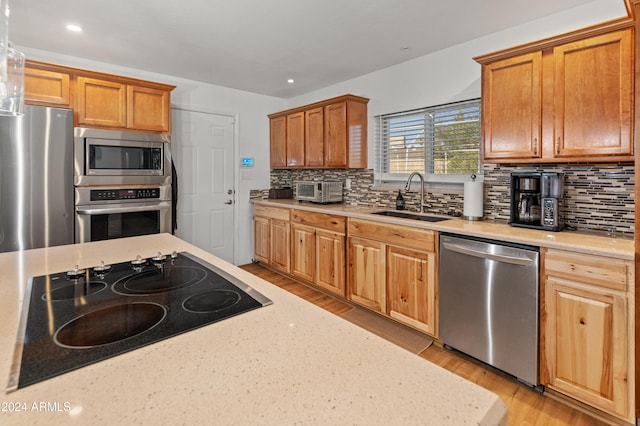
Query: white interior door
{"points": [[203, 153]]}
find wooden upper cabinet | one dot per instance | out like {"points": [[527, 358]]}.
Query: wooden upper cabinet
{"points": [[278, 147], [295, 139], [512, 107], [593, 96], [148, 109], [100, 100], [48, 87], [101, 103], [314, 137], [326, 134], [566, 99], [335, 134]]}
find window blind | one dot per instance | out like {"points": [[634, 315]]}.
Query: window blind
{"points": [[443, 142]]}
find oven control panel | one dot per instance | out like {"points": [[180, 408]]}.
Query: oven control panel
{"points": [[124, 194]]}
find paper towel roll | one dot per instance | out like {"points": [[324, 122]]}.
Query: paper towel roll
{"points": [[473, 200]]}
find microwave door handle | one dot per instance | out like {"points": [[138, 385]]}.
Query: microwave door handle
{"points": [[108, 210]]}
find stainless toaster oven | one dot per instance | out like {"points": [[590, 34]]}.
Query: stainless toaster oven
{"points": [[319, 192]]}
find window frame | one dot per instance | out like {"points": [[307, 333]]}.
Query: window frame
{"points": [[382, 179]]}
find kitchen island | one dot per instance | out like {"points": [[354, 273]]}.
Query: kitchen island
{"points": [[289, 362]]}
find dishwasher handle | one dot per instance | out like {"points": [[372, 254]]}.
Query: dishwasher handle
{"points": [[491, 256]]}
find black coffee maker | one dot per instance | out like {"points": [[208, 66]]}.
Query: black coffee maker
{"points": [[536, 199]]}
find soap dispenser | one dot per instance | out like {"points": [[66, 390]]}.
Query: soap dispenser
{"points": [[399, 201]]}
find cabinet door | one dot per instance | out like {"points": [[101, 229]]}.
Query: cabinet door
{"points": [[101, 103], [295, 139], [335, 135], [262, 242], [411, 287], [593, 96], [278, 146], [586, 344], [314, 137], [512, 108], [148, 109], [280, 245], [303, 252], [45, 87], [366, 273], [330, 253]]}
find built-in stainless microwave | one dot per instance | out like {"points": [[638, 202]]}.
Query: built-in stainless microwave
{"points": [[108, 157]]}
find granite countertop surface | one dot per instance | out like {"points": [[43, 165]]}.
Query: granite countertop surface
{"points": [[567, 240], [287, 363]]}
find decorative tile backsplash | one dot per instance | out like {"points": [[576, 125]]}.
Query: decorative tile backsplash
{"points": [[597, 197]]}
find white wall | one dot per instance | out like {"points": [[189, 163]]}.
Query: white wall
{"points": [[253, 128], [452, 75], [445, 76]]}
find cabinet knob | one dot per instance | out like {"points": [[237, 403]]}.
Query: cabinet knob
{"points": [[535, 146], [558, 146]]}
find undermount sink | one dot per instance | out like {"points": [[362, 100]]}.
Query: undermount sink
{"points": [[413, 216]]}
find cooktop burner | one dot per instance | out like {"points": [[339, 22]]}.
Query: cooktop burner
{"points": [[76, 318]]}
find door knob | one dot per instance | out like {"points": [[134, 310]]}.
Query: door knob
{"points": [[229, 191], [229, 202]]}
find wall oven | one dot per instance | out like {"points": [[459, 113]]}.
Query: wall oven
{"points": [[104, 213], [109, 157]]}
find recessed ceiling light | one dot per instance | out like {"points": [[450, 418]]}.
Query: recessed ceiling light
{"points": [[290, 81], [74, 28]]}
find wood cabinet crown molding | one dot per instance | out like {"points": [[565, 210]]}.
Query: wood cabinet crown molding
{"points": [[551, 42], [323, 103], [29, 63]]}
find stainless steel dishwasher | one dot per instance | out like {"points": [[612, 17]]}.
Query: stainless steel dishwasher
{"points": [[488, 303]]}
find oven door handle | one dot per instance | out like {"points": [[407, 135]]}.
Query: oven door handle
{"points": [[128, 209]]}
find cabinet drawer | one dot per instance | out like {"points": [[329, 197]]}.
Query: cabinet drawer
{"points": [[271, 212], [598, 270], [320, 220], [405, 236]]}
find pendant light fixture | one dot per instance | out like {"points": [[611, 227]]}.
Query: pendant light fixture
{"points": [[11, 69]]}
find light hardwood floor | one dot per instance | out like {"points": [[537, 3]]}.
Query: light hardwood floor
{"points": [[526, 406]]}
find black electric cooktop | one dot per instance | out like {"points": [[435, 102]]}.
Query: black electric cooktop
{"points": [[76, 318]]}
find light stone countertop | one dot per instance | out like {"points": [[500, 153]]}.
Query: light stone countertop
{"points": [[567, 240], [287, 363]]}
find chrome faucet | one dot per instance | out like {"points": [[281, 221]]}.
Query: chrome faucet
{"points": [[407, 187]]}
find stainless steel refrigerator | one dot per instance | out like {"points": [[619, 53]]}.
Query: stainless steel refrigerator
{"points": [[36, 179]]}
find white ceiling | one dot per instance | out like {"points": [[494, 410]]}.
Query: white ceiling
{"points": [[256, 45]]}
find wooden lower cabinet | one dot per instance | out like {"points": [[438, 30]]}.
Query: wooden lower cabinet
{"points": [[318, 250], [366, 273], [411, 287], [272, 237], [303, 253], [588, 330], [392, 269], [330, 256], [262, 239], [280, 245]]}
